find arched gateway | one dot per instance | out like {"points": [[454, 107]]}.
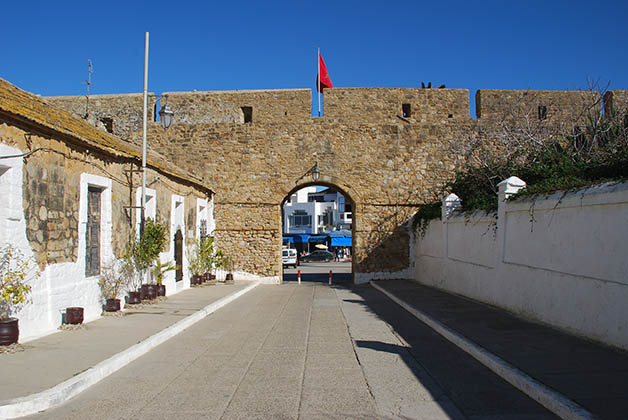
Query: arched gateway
{"points": [[389, 150]]}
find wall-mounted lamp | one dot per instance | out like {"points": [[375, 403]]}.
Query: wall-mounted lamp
{"points": [[166, 114], [316, 173]]}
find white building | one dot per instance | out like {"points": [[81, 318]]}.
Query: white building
{"points": [[311, 212]]}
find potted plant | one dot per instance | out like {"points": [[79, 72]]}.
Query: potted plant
{"points": [[111, 283], [195, 262], [209, 257], [159, 269], [151, 244], [15, 270], [131, 274], [228, 264]]}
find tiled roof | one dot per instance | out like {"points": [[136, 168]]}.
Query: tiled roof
{"points": [[29, 108]]}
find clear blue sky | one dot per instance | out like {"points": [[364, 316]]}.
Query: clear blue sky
{"points": [[209, 45]]}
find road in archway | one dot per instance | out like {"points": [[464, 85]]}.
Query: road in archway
{"points": [[305, 352], [319, 272]]}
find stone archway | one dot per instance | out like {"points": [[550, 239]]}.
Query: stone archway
{"points": [[326, 181]]}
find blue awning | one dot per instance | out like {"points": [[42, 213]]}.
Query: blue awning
{"points": [[341, 241], [296, 238], [319, 239]]}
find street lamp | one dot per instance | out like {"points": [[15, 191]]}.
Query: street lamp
{"points": [[166, 114]]}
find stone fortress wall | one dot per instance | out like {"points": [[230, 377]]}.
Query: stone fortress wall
{"points": [[387, 150]]}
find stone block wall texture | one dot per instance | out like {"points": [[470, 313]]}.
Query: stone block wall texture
{"points": [[119, 115], [51, 183], [386, 165], [517, 104], [285, 105], [368, 105]]}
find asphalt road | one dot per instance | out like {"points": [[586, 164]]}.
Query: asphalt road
{"points": [[319, 272]]}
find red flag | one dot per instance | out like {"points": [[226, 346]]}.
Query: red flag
{"points": [[325, 81]]}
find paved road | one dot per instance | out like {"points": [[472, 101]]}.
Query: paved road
{"points": [[306, 351], [319, 272]]}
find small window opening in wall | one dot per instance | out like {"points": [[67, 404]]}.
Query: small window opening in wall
{"points": [[450, 116], [542, 112], [247, 111], [406, 109], [108, 123]]}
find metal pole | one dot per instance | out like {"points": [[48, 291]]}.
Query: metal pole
{"points": [[329, 276], [318, 79], [299, 276], [142, 211]]}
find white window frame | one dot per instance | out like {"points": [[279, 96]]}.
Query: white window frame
{"points": [[150, 209], [106, 225]]}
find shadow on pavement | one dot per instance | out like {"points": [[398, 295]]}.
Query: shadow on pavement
{"points": [[473, 388]]}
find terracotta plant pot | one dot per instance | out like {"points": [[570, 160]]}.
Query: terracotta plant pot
{"points": [[148, 292], [9, 331], [161, 290], [112, 305], [195, 279], [74, 315], [213, 277], [133, 298]]}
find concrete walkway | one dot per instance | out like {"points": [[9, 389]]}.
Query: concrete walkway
{"points": [[307, 351], [593, 376], [57, 366]]}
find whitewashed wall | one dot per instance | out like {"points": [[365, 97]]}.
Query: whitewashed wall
{"points": [[561, 259], [61, 285]]}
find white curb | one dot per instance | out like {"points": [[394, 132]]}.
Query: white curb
{"points": [[62, 392], [548, 398]]}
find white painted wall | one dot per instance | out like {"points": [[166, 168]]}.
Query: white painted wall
{"points": [[561, 260], [59, 285], [65, 284]]}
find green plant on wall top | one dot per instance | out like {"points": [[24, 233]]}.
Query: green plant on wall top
{"points": [[422, 217], [15, 272]]}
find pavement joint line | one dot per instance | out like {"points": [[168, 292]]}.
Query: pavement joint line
{"points": [[547, 397], [60, 393], [307, 346]]}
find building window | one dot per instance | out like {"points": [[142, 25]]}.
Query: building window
{"points": [[92, 239], [247, 111], [108, 123], [542, 112], [407, 110], [301, 219]]}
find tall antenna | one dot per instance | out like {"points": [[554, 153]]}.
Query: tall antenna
{"points": [[90, 69]]}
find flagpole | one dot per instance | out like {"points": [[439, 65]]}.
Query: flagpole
{"points": [[318, 79]]}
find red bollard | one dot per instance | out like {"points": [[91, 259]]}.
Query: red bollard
{"points": [[299, 276], [329, 276]]}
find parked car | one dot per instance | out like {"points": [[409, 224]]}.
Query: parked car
{"points": [[319, 255], [289, 257]]}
